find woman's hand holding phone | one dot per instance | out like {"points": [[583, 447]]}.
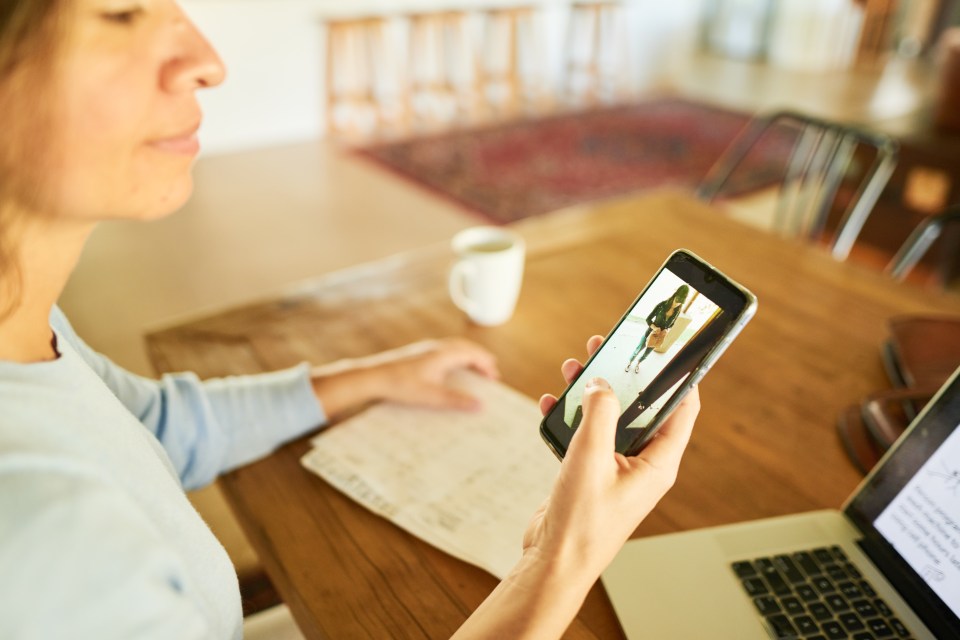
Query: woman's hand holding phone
{"points": [[601, 496], [598, 499]]}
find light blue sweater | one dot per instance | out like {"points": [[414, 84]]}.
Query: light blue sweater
{"points": [[97, 539]]}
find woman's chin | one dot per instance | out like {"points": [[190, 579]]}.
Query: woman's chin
{"points": [[167, 203]]}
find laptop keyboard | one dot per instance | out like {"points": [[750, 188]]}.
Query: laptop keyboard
{"points": [[817, 594]]}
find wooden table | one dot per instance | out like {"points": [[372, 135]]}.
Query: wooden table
{"points": [[765, 443]]}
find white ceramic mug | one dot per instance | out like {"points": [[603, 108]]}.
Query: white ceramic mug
{"points": [[485, 280]]}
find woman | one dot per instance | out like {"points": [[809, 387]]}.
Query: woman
{"points": [[97, 539], [660, 320]]}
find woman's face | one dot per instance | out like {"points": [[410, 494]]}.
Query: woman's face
{"points": [[125, 126]]}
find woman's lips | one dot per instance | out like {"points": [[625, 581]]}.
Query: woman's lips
{"points": [[184, 144]]}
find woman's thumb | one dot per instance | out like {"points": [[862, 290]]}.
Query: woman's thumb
{"points": [[601, 410]]}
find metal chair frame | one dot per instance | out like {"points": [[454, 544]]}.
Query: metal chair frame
{"points": [[919, 242], [815, 169]]}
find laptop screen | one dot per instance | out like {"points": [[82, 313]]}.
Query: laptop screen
{"points": [[909, 511]]}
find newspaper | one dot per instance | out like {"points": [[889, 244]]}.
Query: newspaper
{"points": [[465, 482]]}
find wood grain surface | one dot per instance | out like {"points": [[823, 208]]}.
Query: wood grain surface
{"points": [[764, 444]]}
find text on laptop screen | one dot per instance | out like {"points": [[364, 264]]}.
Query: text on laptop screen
{"points": [[922, 522]]}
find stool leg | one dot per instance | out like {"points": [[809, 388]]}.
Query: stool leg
{"points": [[457, 43], [565, 81], [369, 91], [513, 74], [610, 38], [414, 47], [391, 99], [582, 28], [593, 59], [532, 84], [476, 100], [333, 37], [426, 48]]}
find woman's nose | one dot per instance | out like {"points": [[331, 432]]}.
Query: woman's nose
{"points": [[195, 64]]}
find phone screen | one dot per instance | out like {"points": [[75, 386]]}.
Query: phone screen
{"points": [[665, 337]]}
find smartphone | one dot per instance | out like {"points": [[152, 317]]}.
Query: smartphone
{"points": [[668, 339]]}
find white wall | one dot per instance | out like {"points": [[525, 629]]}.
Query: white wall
{"points": [[274, 52], [272, 49]]}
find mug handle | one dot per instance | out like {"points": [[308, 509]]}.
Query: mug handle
{"points": [[458, 275]]}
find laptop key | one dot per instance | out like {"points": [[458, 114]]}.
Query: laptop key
{"points": [[823, 585], [833, 630], [880, 628], [789, 570], [755, 586], [838, 553], [852, 571], [806, 563], [776, 582], [867, 589], [781, 626], [820, 611], [865, 608], [863, 635], [744, 569], [767, 605], [836, 572], [850, 590], [882, 608], [805, 625], [836, 603], [851, 621], [823, 556], [806, 592], [899, 627], [792, 605]]}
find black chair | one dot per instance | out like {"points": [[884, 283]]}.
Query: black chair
{"points": [[818, 161], [919, 242]]}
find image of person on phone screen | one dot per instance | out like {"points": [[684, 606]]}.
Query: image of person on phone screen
{"points": [[675, 371], [660, 320]]}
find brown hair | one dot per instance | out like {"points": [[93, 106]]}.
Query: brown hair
{"points": [[29, 35]]}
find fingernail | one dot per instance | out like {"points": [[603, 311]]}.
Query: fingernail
{"points": [[597, 383]]}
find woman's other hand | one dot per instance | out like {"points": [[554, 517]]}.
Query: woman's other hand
{"points": [[416, 374]]}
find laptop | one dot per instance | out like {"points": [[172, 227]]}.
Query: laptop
{"points": [[886, 566]]}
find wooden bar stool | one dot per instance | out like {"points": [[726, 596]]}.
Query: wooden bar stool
{"points": [[443, 68], [595, 49], [356, 103], [511, 33]]}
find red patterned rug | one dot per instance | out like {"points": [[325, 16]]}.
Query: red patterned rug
{"points": [[519, 169]]}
